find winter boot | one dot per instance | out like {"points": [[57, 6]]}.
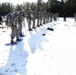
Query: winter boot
{"points": [[18, 39]]}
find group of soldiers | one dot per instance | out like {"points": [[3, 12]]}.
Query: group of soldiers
{"points": [[34, 19], [14, 20]]}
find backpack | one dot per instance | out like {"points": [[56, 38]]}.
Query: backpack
{"points": [[9, 20]]}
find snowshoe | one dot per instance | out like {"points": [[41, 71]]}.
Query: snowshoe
{"points": [[12, 43]]}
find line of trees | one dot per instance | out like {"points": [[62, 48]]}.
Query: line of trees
{"points": [[5, 8], [54, 6]]}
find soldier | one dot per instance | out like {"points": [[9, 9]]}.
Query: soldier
{"points": [[34, 18], [57, 14], [48, 16], [20, 20], [44, 17], [29, 18], [38, 19], [54, 16], [41, 18], [51, 17], [12, 21], [64, 16]]}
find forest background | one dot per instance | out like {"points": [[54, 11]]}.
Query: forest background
{"points": [[52, 6]]}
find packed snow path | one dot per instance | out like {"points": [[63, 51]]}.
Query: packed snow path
{"points": [[51, 54]]}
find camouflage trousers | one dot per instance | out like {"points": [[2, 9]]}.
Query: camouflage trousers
{"points": [[38, 22], [33, 22], [44, 20], [14, 32], [29, 24], [19, 28]]}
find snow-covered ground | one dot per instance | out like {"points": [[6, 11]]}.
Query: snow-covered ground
{"points": [[51, 54]]}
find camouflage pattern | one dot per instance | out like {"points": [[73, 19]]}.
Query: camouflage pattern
{"points": [[14, 27], [51, 17], [34, 18], [38, 19], [9, 20], [64, 16], [55, 17], [47, 17], [29, 19], [12, 19], [44, 17], [41, 16], [57, 14], [20, 20]]}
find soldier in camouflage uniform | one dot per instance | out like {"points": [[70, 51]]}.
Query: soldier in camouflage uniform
{"points": [[64, 16], [57, 14], [12, 21], [29, 19], [48, 16], [20, 20], [51, 17], [34, 18], [55, 17], [44, 17], [41, 18], [38, 19]]}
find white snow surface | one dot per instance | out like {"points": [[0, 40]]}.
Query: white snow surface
{"points": [[51, 54]]}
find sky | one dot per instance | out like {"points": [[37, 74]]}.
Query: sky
{"points": [[51, 54], [20, 1]]}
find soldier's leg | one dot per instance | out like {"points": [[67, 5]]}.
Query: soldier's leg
{"points": [[17, 34], [38, 22], [64, 18], [44, 20], [41, 21], [20, 28], [29, 25], [34, 23], [50, 19], [13, 33]]}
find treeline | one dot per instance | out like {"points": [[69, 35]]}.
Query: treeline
{"points": [[5, 8], [54, 6]]}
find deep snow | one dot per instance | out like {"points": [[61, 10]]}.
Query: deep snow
{"points": [[51, 54]]}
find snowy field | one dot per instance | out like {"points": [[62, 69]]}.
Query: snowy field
{"points": [[51, 54]]}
